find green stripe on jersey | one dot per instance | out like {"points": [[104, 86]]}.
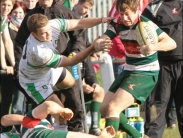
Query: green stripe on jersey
{"points": [[55, 60], [63, 24], [38, 97], [110, 34], [10, 135], [142, 60]]}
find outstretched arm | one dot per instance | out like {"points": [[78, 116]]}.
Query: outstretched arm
{"points": [[11, 119], [75, 24], [50, 107], [97, 45]]}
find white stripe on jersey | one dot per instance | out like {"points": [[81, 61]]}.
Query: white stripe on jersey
{"points": [[138, 55], [111, 28], [154, 66], [127, 34], [55, 26]]}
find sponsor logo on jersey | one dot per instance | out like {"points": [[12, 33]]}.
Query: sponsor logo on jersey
{"points": [[44, 87], [130, 86]]}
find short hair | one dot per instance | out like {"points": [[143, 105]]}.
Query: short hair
{"points": [[91, 2], [36, 21], [19, 4], [13, 1], [122, 5]]}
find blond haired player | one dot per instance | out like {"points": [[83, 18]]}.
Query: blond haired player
{"points": [[140, 73], [41, 66]]}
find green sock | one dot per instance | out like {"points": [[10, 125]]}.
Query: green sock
{"points": [[127, 128], [112, 121], [95, 114]]}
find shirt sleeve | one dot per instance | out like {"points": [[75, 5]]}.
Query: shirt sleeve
{"points": [[111, 32], [58, 25], [44, 57]]}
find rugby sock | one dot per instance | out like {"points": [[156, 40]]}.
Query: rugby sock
{"points": [[95, 114], [124, 126], [112, 121]]}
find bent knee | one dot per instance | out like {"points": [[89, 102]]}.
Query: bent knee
{"points": [[103, 110], [99, 94]]}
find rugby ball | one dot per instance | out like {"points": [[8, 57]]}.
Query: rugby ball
{"points": [[145, 34]]}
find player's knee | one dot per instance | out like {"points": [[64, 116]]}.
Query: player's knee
{"points": [[99, 93], [103, 110], [111, 107]]}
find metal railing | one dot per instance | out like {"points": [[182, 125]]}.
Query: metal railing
{"points": [[100, 9]]}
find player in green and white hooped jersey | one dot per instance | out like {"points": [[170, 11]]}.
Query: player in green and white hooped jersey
{"points": [[34, 124], [41, 66], [11, 134], [140, 73]]}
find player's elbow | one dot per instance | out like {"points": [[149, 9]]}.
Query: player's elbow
{"points": [[174, 44], [3, 120]]}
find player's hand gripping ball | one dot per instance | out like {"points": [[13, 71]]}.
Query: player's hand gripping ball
{"points": [[146, 37], [146, 34]]}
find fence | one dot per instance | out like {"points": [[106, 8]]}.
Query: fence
{"points": [[100, 9]]}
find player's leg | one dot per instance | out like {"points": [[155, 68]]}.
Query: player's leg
{"points": [[131, 87], [95, 109], [70, 89], [65, 80], [96, 99]]}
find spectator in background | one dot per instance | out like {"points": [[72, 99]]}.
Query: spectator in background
{"points": [[92, 91], [117, 51], [21, 100], [171, 118], [16, 16], [82, 9], [7, 59], [168, 15], [30, 4]]}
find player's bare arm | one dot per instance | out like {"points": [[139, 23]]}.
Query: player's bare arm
{"points": [[75, 24], [165, 43], [98, 45]]}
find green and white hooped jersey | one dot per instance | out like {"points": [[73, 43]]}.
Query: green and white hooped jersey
{"points": [[12, 134], [4, 24], [135, 61], [32, 127], [39, 57]]}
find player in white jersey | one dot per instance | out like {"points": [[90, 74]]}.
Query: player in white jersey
{"points": [[41, 66], [34, 124]]}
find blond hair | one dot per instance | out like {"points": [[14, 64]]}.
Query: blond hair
{"points": [[13, 1], [36, 21], [91, 2]]}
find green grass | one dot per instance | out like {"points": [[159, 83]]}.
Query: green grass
{"points": [[168, 133], [171, 133]]}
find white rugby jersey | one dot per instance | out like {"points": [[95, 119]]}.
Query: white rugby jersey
{"points": [[39, 57]]}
